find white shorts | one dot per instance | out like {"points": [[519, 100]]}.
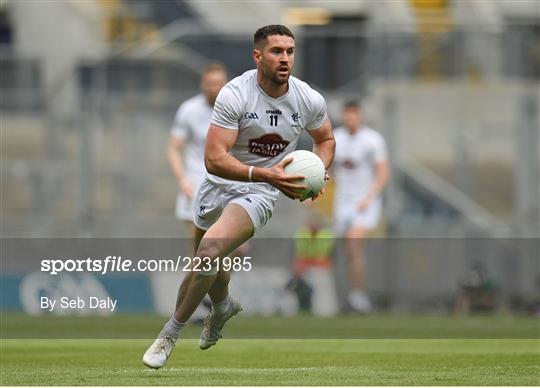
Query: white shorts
{"points": [[258, 199], [184, 207], [346, 216]]}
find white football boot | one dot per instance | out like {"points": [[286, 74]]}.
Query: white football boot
{"points": [[158, 353], [359, 302], [213, 323]]}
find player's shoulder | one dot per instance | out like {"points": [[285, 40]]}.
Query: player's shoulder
{"points": [[340, 132], [372, 135], [243, 81], [371, 132], [303, 88], [310, 101]]}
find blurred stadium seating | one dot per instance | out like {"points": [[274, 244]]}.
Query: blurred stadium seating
{"points": [[87, 105]]}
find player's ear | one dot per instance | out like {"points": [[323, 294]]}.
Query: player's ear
{"points": [[256, 55]]}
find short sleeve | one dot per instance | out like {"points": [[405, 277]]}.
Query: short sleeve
{"points": [[318, 112], [380, 153], [227, 108], [180, 127]]}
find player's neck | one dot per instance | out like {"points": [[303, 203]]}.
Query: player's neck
{"points": [[353, 130], [209, 101], [271, 88]]}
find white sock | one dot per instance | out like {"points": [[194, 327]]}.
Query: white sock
{"points": [[171, 328], [223, 306]]}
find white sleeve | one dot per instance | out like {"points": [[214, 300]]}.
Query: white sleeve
{"points": [[380, 153], [318, 111], [180, 128], [227, 108]]}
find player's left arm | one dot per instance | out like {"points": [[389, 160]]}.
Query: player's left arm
{"points": [[324, 143], [320, 129], [382, 174]]}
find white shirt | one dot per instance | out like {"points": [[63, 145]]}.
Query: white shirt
{"points": [[191, 125], [354, 162], [268, 128]]}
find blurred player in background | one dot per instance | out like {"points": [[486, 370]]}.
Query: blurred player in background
{"points": [[185, 152], [258, 118], [361, 172]]}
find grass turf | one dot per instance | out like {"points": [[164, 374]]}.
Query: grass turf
{"points": [[430, 351], [375, 326], [275, 362]]}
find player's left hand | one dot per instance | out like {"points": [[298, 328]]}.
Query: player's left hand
{"points": [[326, 178], [364, 203], [287, 184]]}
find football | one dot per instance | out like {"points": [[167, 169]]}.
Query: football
{"points": [[310, 166]]}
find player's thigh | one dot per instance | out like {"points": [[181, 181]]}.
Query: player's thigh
{"points": [[234, 223], [232, 229], [198, 234], [354, 239], [344, 213], [357, 232], [365, 221]]}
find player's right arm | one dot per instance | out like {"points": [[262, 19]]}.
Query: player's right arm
{"points": [[219, 162], [177, 143], [174, 157]]}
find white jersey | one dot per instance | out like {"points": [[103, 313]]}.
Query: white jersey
{"points": [[268, 128], [191, 125], [354, 162]]}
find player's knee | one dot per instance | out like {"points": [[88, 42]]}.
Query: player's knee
{"points": [[209, 251], [208, 271], [357, 233], [209, 248]]}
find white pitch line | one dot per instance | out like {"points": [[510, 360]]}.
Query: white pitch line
{"points": [[241, 370]]}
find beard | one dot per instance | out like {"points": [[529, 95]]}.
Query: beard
{"points": [[275, 77], [278, 80]]}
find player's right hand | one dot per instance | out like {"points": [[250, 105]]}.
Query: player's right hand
{"points": [[287, 184]]}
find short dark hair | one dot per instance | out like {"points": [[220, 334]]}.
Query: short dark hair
{"points": [[273, 29], [352, 104]]}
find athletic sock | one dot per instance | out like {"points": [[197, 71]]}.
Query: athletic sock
{"points": [[171, 328], [357, 293], [223, 306]]}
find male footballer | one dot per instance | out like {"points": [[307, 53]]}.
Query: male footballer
{"points": [[257, 120]]}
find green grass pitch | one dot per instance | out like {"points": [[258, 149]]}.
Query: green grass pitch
{"points": [[424, 360]]}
